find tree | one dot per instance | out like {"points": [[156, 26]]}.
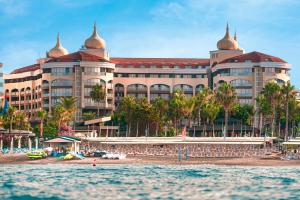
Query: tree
{"points": [[58, 116], [98, 94], [160, 108], [212, 108], [176, 107], [264, 109], [126, 109], [226, 96], [200, 99], [88, 116], [271, 91], [21, 121], [42, 114], [69, 106], [9, 118], [288, 93]]}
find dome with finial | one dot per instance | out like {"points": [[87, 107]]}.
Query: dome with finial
{"points": [[227, 43], [58, 50], [95, 41]]}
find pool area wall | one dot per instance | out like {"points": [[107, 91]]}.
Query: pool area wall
{"points": [[197, 150]]}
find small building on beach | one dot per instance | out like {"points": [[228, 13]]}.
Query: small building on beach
{"points": [[64, 144]]}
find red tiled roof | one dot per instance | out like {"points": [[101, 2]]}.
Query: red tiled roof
{"points": [[77, 56], [161, 61], [26, 69], [254, 57], [83, 56]]}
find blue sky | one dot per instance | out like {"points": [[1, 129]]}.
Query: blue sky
{"points": [[149, 28]]}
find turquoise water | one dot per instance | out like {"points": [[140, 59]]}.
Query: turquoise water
{"points": [[54, 181]]}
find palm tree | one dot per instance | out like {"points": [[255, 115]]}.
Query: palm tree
{"points": [[213, 109], [226, 96], [10, 117], [160, 108], [42, 115], [88, 115], [271, 91], [59, 116], [69, 106], [177, 105], [126, 109], [188, 108], [263, 110], [200, 99], [288, 93], [98, 94]]}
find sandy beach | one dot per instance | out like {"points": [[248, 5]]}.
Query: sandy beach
{"points": [[22, 159]]}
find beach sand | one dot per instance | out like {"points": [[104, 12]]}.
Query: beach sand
{"points": [[162, 160]]}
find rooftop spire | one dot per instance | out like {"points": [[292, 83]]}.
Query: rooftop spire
{"points": [[94, 41], [57, 41], [227, 35], [235, 36], [95, 29]]}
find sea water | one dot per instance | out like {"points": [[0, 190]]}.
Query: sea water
{"points": [[58, 181]]}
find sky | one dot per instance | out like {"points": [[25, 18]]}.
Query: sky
{"points": [[149, 28]]}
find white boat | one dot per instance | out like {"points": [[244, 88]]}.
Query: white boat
{"points": [[114, 156]]}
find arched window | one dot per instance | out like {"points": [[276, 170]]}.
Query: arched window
{"points": [[199, 87], [160, 90], [221, 81], [160, 87], [137, 90]]}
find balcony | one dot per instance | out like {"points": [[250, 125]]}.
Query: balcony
{"points": [[159, 90], [109, 95], [15, 94], [46, 105], [45, 85], [136, 90]]}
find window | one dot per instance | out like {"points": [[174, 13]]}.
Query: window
{"points": [[245, 101], [240, 82], [269, 70], [94, 71], [61, 92], [244, 92], [61, 71], [92, 82], [62, 82]]}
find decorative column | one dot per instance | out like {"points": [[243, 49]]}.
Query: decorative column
{"points": [[19, 142], [29, 143], [36, 143], [1, 143], [12, 145], [148, 94]]}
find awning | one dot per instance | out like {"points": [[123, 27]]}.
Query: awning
{"points": [[59, 140], [98, 120]]}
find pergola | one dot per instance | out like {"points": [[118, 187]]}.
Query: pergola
{"points": [[64, 141], [18, 135]]}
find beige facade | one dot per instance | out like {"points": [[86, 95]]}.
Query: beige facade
{"points": [[62, 74]]}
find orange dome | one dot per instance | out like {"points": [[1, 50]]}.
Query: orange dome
{"points": [[95, 41], [227, 43], [58, 50]]}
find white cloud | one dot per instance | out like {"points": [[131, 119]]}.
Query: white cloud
{"points": [[12, 8], [77, 3], [15, 56]]}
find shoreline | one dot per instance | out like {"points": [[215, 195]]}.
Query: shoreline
{"points": [[21, 159]]}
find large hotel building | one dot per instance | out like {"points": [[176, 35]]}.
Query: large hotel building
{"points": [[73, 74]]}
